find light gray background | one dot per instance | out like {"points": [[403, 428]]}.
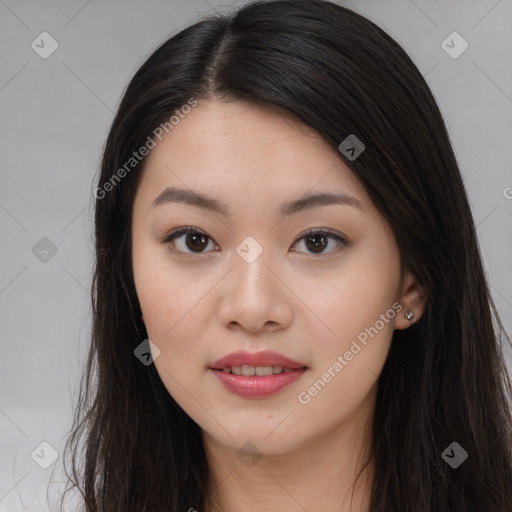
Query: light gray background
{"points": [[55, 115]]}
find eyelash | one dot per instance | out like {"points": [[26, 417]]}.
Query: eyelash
{"points": [[315, 231]]}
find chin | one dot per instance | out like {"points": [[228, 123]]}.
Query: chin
{"points": [[256, 442]]}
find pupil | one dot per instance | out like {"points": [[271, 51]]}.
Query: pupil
{"points": [[196, 237], [317, 245]]}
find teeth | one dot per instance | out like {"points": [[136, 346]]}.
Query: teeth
{"points": [[248, 370], [260, 371], [264, 370]]}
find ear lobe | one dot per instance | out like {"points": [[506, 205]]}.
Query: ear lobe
{"points": [[142, 318], [413, 299]]}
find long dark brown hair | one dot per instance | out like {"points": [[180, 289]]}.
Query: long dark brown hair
{"points": [[445, 379]]}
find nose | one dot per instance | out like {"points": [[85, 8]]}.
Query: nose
{"points": [[254, 296]]}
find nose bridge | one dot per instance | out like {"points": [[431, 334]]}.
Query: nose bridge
{"points": [[252, 298], [251, 263]]}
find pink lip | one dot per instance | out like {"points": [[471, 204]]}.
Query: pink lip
{"points": [[264, 358], [255, 386]]}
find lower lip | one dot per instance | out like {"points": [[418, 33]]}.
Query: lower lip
{"points": [[255, 386]]}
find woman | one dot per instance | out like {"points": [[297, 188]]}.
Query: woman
{"points": [[290, 307]]}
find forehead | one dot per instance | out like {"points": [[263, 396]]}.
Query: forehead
{"points": [[238, 131], [239, 150]]}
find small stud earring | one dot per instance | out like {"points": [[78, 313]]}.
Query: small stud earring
{"points": [[409, 315]]}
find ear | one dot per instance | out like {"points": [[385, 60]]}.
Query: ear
{"points": [[412, 298], [142, 317]]}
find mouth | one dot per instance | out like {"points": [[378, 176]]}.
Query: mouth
{"points": [[257, 381], [259, 371], [265, 361], [256, 374]]}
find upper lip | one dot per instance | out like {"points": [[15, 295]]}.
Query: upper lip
{"points": [[264, 358]]}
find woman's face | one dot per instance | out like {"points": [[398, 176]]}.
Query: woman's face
{"points": [[252, 282]]}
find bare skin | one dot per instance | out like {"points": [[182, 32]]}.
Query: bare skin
{"points": [[305, 303]]}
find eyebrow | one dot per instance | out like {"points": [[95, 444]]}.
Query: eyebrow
{"points": [[313, 200]]}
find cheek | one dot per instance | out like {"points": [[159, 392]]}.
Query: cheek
{"points": [[156, 281], [349, 359], [168, 304], [156, 285], [171, 301], [358, 310], [172, 317], [355, 306]]}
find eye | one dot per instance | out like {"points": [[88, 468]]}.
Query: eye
{"points": [[316, 240], [195, 240]]}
